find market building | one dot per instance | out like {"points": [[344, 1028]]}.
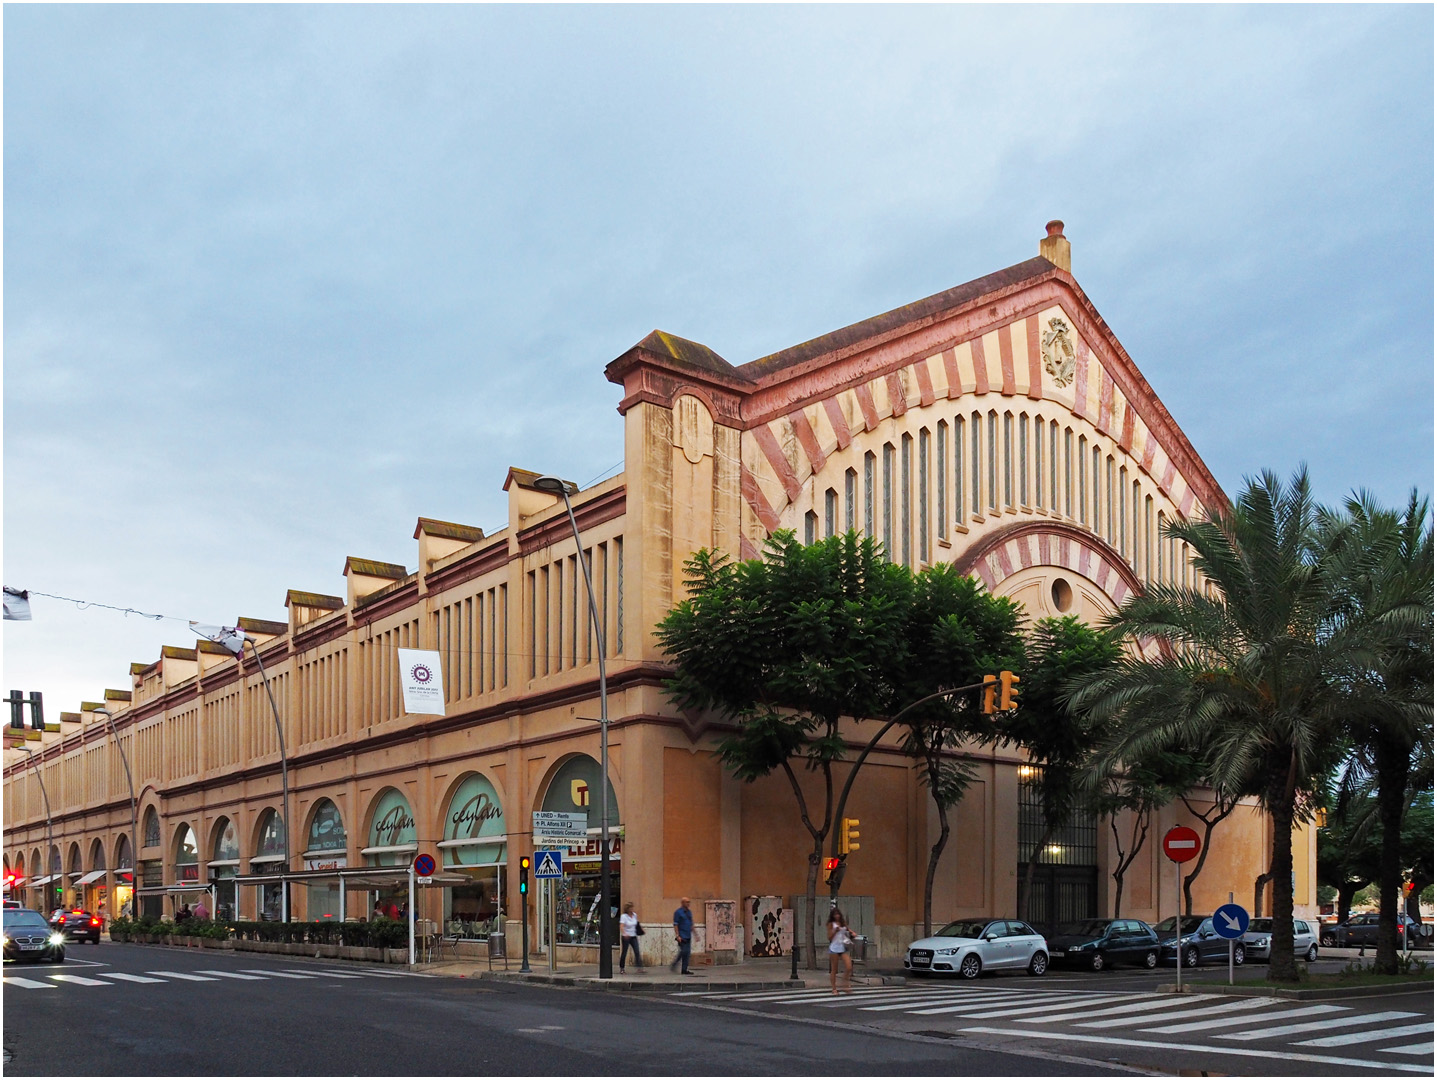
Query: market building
{"points": [[999, 425]]}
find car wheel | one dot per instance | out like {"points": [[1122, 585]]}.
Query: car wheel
{"points": [[1312, 954], [1191, 957], [1097, 963], [1239, 956], [970, 967], [1039, 964], [1329, 941], [1150, 959]]}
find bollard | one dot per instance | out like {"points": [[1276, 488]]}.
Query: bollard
{"points": [[793, 975]]}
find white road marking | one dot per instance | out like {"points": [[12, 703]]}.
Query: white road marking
{"points": [[230, 974], [1124, 1013], [968, 1002], [1416, 1049], [1188, 1007], [328, 974], [279, 974], [366, 974], [1003, 1014], [28, 984], [1369, 1036], [80, 980], [1203, 1048], [127, 977], [183, 975], [1318, 1025], [1234, 1021]]}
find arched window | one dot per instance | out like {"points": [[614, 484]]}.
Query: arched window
{"points": [[574, 788], [271, 838], [326, 829], [226, 847], [391, 830], [151, 832], [474, 847], [187, 856]]}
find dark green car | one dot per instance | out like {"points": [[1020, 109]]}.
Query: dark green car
{"points": [[1096, 944]]}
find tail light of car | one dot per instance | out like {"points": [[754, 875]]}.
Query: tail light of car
{"points": [[95, 921]]}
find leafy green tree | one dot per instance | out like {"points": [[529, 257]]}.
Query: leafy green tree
{"points": [[1347, 858], [1058, 736], [955, 633], [1140, 788], [1381, 582], [1249, 664], [785, 647], [1417, 850]]}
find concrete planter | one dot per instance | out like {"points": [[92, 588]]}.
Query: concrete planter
{"points": [[352, 952], [396, 956], [328, 952]]}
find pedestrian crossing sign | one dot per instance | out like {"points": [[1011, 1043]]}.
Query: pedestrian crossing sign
{"points": [[548, 864]]}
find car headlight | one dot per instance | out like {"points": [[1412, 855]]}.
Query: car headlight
{"points": [[1261, 943], [1079, 948], [5, 940], [57, 939], [947, 952]]}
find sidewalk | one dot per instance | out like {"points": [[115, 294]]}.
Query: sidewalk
{"points": [[753, 974]]}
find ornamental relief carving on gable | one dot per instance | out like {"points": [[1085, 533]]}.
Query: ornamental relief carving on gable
{"points": [[1060, 352]]}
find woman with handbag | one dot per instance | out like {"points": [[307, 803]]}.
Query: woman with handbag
{"points": [[839, 938], [630, 930]]}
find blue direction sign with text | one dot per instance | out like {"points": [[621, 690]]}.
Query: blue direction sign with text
{"points": [[1230, 921], [550, 864]]}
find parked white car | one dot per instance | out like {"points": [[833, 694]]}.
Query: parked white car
{"points": [[967, 948], [1258, 940]]}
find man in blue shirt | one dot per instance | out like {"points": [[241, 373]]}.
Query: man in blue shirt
{"points": [[684, 935]]}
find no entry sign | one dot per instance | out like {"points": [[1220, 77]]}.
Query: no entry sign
{"points": [[1181, 844]]}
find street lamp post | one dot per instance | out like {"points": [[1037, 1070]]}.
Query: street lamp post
{"points": [[284, 779], [49, 827], [134, 812], [564, 488]]}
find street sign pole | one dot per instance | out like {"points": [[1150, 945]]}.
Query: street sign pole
{"points": [[1231, 948], [1178, 916], [410, 914], [1179, 844]]}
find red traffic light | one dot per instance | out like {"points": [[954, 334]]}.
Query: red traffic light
{"points": [[830, 864]]}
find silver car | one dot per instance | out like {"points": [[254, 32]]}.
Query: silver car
{"points": [[967, 948], [1258, 940]]}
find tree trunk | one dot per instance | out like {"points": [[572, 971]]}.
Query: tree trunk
{"points": [[933, 857], [815, 860], [1283, 967], [1025, 900], [1392, 765], [1345, 892], [1258, 887], [1207, 830]]}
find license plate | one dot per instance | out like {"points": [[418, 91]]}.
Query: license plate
{"points": [[1059, 952], [921, 961], [27, 948]]}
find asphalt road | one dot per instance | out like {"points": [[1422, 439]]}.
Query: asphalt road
{"points": [[135, 1010]]}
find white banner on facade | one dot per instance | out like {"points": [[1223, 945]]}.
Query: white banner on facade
{"points": [[420, 677]]}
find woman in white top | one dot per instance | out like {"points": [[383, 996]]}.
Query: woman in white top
{"points": [[629, 931], [838, 939]]}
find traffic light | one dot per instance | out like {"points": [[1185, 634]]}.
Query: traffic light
{"points": [[523, 874], [835, 868], [1008, 699], [990, 689], [1407, 889], [848, 835]]}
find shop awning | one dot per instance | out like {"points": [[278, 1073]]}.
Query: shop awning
{"points": [[42, 881], [92, 876], [372, 877], [172, 890]]}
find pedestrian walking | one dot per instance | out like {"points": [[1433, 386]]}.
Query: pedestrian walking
{"points": [[839, 938], [630, 930], [684, 935], [202, 912]]}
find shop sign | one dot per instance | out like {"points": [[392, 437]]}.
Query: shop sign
{"points": [[336, 863], [326, 831], [589, 850], [393, 823]]}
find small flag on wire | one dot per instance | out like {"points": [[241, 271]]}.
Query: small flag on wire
{"points": [[232, 638], [17, 604]]}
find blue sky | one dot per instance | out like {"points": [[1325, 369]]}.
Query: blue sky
{"points": [[279, 280]]}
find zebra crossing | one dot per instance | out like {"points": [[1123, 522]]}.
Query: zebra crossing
{"points": [[1254, 1027], [95, 977]]}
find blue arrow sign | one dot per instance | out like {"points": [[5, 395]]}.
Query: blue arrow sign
{"points": [[1230, 921], [550, 864]]}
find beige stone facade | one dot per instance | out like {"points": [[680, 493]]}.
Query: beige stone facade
{"points": [[999, 425]]}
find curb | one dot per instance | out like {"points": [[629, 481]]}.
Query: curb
{"points": [[1325, 993], [593, 982]]}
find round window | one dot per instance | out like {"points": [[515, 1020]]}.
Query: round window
{"points": [[1062, 595]]}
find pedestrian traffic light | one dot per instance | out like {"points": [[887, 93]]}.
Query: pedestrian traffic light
{"points": [[523, 874], [1008, 699], [990, 689], [848, 835], [835, 868], [1407, 889]]}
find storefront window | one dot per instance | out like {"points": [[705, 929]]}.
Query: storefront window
{"points": [[152, 829], [187, 857], [391, 843], [152, 876], [124, 883], [224, 867], [268, 859], [574, 788], [473, 846], [325, 850], [227, 842]]}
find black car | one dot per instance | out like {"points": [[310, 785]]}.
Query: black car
{"points": [[1099, 943], [29, 937], [1199, 942], [1361, 930], [77, 925]]}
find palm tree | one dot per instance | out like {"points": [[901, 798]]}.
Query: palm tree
{"points": [[1382, 580], [1246, 664]]}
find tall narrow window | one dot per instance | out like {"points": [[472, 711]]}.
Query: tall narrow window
{"points": [[888, 500], [941, 458], [1053, 467], [1083, 481], [906, 499], [1162, 543], [850, 500], [1131, 556], [1108, 499], [1097, 477], [810, 527], [1038, 434], [869, 467], [924, 438], [977, 465], [1147, 537], [1008, 460], [993, 461], [958, 469], [830, 512]]}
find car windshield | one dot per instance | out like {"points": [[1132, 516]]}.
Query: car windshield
{"points": [[963, 929], [24, 918], [1086, 928], [1261, 926], [1190, 923]]}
